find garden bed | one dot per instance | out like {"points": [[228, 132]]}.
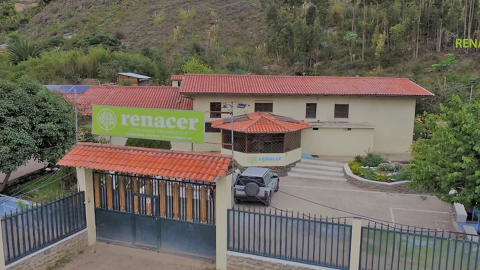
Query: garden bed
{"points": [[373, 167]]}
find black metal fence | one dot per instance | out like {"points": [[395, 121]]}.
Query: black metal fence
{"points": [[386, 246], [48, 222], [187, 201], [288, 236]]}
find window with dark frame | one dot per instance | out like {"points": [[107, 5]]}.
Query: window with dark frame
{"points": [[208, 128], [215, 107], [311, 110], [341, 111], [263, 107]]}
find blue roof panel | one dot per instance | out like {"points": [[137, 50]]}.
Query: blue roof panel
{"points": [[68, 89]]}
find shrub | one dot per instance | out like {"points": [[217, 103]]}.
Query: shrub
{"points": [[371, 160], [381, 177], [125, 83], [355, 167], [402, 175], [384, 167], [368, 173], [391, 167], [358, 158]]}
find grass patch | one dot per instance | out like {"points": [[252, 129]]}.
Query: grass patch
{"points": [[60, 263], [41, 188], [80, 252]]}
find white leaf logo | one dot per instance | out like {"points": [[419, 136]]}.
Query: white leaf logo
{"points": [[106, 119]]}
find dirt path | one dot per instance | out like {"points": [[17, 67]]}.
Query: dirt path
{"points": [[111, 257]]}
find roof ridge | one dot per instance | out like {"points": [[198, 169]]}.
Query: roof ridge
{"points": [[270, 120], [253, 123], [292, 76], [144, 149]]}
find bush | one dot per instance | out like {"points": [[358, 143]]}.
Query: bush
{"points": [[402, 175], [391, 167], [384, 167], [149, 143], [125, 83], [368, 174], [381, 177], [358, 158], [355, 167], [371, 160]]}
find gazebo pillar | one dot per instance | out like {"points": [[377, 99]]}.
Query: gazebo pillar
{"points": [[85, 183]]}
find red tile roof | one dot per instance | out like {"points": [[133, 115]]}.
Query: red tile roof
{"points": [[146, 161], [299, 85], [176, 77], [261, 122], [159, 97]]}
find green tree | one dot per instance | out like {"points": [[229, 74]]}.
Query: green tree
{"points": [[451, 158], [149, 143], [195, 66], [36, 123], [22, 50]]}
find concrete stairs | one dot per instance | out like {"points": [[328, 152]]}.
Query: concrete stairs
{"points": [[318, 170]]}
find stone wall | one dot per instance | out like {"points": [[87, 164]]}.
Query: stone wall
{"points": [[399, 188], [239, 261], [281, 170], [396, 187], [46, 257]]}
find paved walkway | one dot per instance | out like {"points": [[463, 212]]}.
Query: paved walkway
{"points": [[104, 256], [321, 197]]}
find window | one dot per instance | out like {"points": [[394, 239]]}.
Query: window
{"points": [[208, 128], [311, 110], [263, 107], [215, 107], [341, 111]]}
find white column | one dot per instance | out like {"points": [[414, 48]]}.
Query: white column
{"points": [[355, 244], [85, 183], [223, 203]]}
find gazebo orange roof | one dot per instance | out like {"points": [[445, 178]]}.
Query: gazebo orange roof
{"points": [[261, 122], [182, 165]]}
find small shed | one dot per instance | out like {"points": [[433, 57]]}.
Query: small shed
{"points": [[135, 79]]}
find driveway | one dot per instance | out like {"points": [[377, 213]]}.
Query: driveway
{"points": [[103, 256], [308, 196]]}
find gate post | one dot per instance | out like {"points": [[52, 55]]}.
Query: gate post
{"points": [[2, 255], [85, 183], [222, 203], [355, 244]]}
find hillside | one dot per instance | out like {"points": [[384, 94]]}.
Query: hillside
{"points": [[166, 24], [414, 39]]}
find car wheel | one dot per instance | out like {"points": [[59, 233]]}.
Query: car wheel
{"points": [[268, 200], [278, 186], [238, 201]]}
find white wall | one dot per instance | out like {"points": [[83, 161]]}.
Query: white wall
{"points": [[393, 117], [284, 158], [337, 141]]}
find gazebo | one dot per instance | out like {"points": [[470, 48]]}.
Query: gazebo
{"points": [[263, 139]]}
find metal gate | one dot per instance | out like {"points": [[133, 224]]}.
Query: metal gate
{"points": [[155, 213]]}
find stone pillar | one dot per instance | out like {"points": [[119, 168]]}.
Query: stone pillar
{"points": [[85, 183], [223, 202], [355, 244], [2, 255]]}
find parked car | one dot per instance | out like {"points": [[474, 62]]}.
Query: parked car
{"points": [[256, 184]]}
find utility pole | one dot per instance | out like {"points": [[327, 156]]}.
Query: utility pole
{"points": [[472, 82]]}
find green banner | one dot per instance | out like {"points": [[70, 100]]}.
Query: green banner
{"points": [[154, 124]]}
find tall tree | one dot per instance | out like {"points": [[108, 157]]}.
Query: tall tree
{"points": [[451, 158], [36, 123]]}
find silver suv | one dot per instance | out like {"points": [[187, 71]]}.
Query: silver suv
{"points": [[256, 184]]}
